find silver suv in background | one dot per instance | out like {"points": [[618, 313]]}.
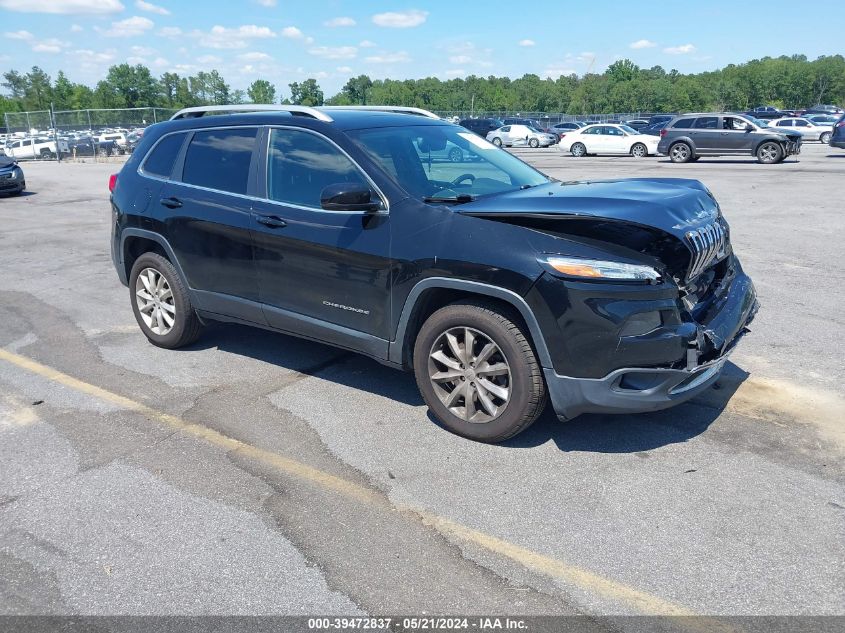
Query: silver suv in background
{"points": [[691, 136]]}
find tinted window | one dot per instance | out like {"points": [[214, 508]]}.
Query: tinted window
{"points": [[219, 159], [160, 160], [683, 123], [300, 165], [507, 128], [707, 123]]}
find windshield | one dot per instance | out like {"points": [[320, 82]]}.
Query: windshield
{"points": [[534, 129], [628, 129], [445, 162]]}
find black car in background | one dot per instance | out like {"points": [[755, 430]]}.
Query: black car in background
{"points": [[498, 286], [838, 138], [660, 118], [653, 129], [88, 147], [12, 181], [825, 109], [769, 113], [688, 137], [482, 127]]}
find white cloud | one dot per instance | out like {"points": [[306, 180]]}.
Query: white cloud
{"points": [[129, 27], [389, 58], [684, 49], [19, 35], [51, 45], [75, 28], [209, 59], [321, 75], [293, 33], [460, 59], [334, 52], [170, 31], [527, 43], [367, 44], [87, 56], [143, 51], [400, 19], [62, 6], [150, 7], [456, 72], [642, 44], [341, 21], [267, 3], [160, 62], [227, 38], [557, 70], [254, 56], [344, 69]]}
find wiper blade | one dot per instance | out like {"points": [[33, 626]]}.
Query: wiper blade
{"points": [[459, 199]]}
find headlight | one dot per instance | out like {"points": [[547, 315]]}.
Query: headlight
{"points": [[598, 269]]}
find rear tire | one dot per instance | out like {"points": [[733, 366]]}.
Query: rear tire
{"points": [[164, 306], [825, 138], [639, 150], [501, 403], [680, 153], [769, 153], [456, 155], [578, 150]]}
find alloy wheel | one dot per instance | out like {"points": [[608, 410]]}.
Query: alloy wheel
{"points": [[470, 374], [769, 153], [154, 298], [639, 150], [578, 150], [680, 153]]}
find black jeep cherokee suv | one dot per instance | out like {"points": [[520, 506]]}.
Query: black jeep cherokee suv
{"points": [[495, 284]]}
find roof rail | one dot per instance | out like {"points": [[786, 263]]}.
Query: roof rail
{"points": [[190, 113], [384, 108]]}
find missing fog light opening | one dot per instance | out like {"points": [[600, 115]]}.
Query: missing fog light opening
{"points": [[641, 323]]}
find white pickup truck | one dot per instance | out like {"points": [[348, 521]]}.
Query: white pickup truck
{"points": [[31, 148]]}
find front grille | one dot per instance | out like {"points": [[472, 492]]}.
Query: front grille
{"points": [[709, 244]]}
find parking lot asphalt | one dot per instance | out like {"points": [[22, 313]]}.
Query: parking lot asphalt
{"points": [[255, 473]]}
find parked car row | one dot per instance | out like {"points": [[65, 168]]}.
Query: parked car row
{"points": [[48, 144]]}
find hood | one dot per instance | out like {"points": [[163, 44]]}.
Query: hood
{"points": [[6, 162], [673, 205]]}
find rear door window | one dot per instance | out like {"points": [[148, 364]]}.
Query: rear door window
{"points": [[219, 159], [707, 123], [161, 159]]}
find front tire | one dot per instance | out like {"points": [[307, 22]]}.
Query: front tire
{"points": [[825, 138], [639, 150], [161, 303], [534, 143], [497, 142], [769, 153], [578, 150], [456, 155], [477, 372]]}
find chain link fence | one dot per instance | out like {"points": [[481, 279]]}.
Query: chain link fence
{"points": [[84, 120], [546, 118]]}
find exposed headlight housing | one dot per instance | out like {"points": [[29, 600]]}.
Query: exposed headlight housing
{"points": [[599, 269]]}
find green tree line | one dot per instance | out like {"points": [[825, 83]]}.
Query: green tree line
{"points": [[787, 81]]}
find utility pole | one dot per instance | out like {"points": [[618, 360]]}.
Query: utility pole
{"points": [[55, 133], [472, 107]]}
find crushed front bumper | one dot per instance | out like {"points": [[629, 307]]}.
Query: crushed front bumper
{"points": [[643, 389]]}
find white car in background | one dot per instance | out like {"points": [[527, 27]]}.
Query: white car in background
{"points": [[519, 136], [810, 130], [608, 139], [31, 148]]}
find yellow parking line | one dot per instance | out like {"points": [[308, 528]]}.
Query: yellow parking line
{"points": [[551, 567]]}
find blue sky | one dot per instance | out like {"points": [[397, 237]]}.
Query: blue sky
{"points": [[331, 40]]}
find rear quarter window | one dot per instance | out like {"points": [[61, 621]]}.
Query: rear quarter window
{"points": [[219, 159], [161, 159], [683, 123]]}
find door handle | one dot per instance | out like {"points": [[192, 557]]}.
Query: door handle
{"points": [[274, 222], [171, 203]]}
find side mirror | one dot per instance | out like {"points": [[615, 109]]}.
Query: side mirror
{"points": [[749, 128], [349, 196]]}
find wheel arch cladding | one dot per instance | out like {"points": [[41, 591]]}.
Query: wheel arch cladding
{"points": [[136, 242], [435, 292]]}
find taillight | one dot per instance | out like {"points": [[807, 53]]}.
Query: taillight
{"points": [[112, 182], [663, 132]]}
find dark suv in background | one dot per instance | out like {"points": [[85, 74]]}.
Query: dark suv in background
{"points": [[691, 136], [498, 286], [838, 137], [482, 127]]}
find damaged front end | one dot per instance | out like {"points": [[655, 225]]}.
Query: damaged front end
{"points": [[639, 346]]}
